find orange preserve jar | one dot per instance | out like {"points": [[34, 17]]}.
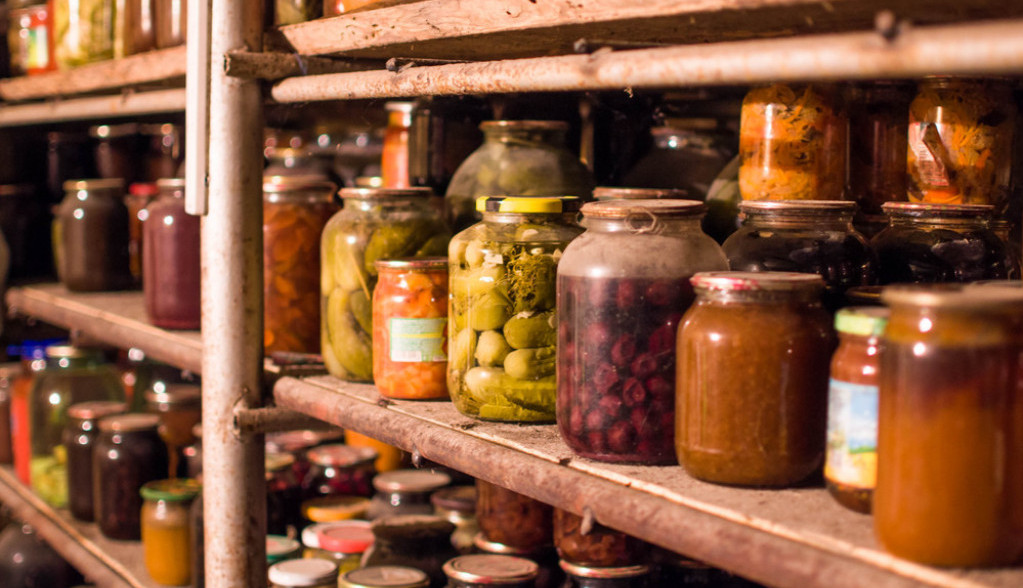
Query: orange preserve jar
{"points": [[752, 378], [950, 426], [410, 325], [850, 465], [166, 530], [395, 160]]}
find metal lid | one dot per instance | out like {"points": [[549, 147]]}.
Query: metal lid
{"points": [[413, 263], [385, 577], [170, 184], [756, 281], [143, 189], [798, 206], [616, 193], [279, 547], [863, 321], [410, 481], [368, 193], [275, 462], [940, 210], [341, 455], [328, 509], [399, 106], [294, 441], [345, 537], [71, 352], [165, 396], [113, 131], [309, 534], [309, 571], [94, 184], [491, 569], [85, 411], [952, 296], [528, 204], [457, 498], [524, 125], [176, 490], [300, 183], [487, 546], [643, 209], [603, 573], [129, 423]]}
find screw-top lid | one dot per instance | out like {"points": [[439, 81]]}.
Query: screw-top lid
{"points": [[491, 569], [953, 296], [616, 193], [176, 490], [166, 396], [275, 462], [912, 209], [798, 206], [294, 441], [460, 499], [279, 548], [367, 193], [385, 577], [524, 125], [298, 183], [143, 189], [643, 210], [863, 321], [528, 204], [310, 571], [85, 411], [345, 537], [340, 455], [603, 573], [487, 546], [413, 263], [327, 509], [309, 538], [410, 481], [756, 281], [94, 184], [129, 423]]}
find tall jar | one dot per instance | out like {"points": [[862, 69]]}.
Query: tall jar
{"points": [[501, 318], [939, 243], [752, 378], [166, 530], [623, 286], [90, 236], [83, 31], [376, 223], [878, 113], [512, 519], [71, 376], [792, 142], [295, 210], [950, 470], [394, 162], [180, 410], [960, 141], [170, 268], [171, 23], [78, 441], [519, 158], [140, 195]]}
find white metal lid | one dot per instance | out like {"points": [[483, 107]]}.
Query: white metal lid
{"points": [[312, 571], [410, 481], [385, 577], [491, 569]]}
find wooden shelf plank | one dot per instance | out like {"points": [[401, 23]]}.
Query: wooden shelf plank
{"points": [[107, 563], [113, 318], [779, 537], [93, 107]]}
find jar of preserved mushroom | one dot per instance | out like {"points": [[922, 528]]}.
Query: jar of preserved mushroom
{"points": [[509, 518], [171, 269], [878, 114]]}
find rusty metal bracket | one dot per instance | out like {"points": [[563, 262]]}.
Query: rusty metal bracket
{"points": [[254, 421], [278, 65]]}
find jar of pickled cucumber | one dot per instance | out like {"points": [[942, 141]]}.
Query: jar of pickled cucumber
{"points": [[376, 223], [501, 357]]}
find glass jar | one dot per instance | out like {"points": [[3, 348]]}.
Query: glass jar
{"points": [[549, 575], [594, 545], [384, 577], [296, 161], [792, 142], [518, 158], [960, 141], [938, 243], [297, 443], [619, 308], [594, 577], [458, 505], [1003, 229], [33, 361], [288, 12], [280, 548], [78, 440], [333, 509], [410, 319], [68, 155], [303, 573], [753, 355], [71, 376], [166, 530], [171, 23], [850, 465], [136, 27], [27, 560], [162, 150], [140, 195], [503, 275], [394, 163], [180, 409], [484, 570], [90, 236], [83, 31], [805, 237], [295, 210], [376, 223], [343, 543], [601, 193], [878, 114], [127, 454], [31, 40], [171, 271], [686, 154], [117, 150], [512, 519], [8, 373], [283, 494], [418, 541], [337, 469], [405, 492]]}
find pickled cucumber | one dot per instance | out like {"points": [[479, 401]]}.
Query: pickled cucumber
{"points": [[489, 311], [350, 345], [492, 386], [531, 330], [463, 346], [362, 309], [492, 349], [531, 364]]}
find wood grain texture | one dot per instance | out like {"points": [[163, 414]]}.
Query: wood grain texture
{"points": [[92, 107]]}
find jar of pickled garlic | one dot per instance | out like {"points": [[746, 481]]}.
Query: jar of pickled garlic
{"points": [[850, 464], [376, 223], [623, 286], [595, 545], [878, 114], [580, 576], [128, 453], [752, 378], [166, 530], [503, 278], [960, 141], [950, 462], [295, 210], [792, 141], [512, 519], [78, 440], [338, 469], [171, 271], [485, 570], [410, 324]]}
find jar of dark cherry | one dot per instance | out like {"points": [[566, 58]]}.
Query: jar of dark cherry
{"points": [[170, 264], [79, 439]]}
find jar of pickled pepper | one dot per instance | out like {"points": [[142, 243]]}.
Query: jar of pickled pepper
{"points": [[166, 530], [878, 113]]}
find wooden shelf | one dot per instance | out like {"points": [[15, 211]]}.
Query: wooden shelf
{"points": [[793, 537], [105, 562], [93, 108]]}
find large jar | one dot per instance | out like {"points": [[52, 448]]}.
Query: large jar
{"points": [[623, 286], [295, 210], [180, 410], [171, 270], [78, 440], [375, 223], [503, 278], [950, 462], [518, 158], [939, 243], [71, 376], [878, 113], [339, 470], [594, 545], [83, 31], [793, 143], [512, 519], [752, 381], [419, 541], [805, 237], [90, 236], [960, 141], [686, 154], [166, 530], [486, 570]]}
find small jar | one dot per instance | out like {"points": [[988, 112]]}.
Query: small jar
{"points": [[405, 492], [280, 548], [686, 154], [422, 542], [394, 164], [344, 543], [484, 570], [303, 573], [338, 469], [410, 319], [78, 441], [927, 243], [878, 114], [171, 23], [295, 210], [31, 40], [166, 530], [127, 454], [376, 223], [171, 270], [117, 149], [792, 141], [283, 494], [602, 193], [512, 519], [180, 410], [457, 504], [580, 576], [753, 355], [384, 577], [140, 195], [622, 286], [90, 236], [597, 546], [83, 32], [333, 509]]}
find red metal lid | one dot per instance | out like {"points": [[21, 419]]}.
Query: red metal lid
{"points": [[346, 537]]}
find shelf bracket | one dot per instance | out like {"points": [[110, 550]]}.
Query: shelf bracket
{"points": [[255, 421]]}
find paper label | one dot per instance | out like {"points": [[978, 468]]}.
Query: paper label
{"points": [[852, 434], [417, 339]]}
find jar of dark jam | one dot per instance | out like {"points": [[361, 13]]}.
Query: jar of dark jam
{"points": [[510, 518], [283, 494], [127, 454], [79, 438], [580, 576], [484, 570], [90, 236], [405, 492], [596, 546], [171, 268], [298, 443], [338, 469], [180, 409], [939, 243]]}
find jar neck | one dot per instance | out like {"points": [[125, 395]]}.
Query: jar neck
{"points": [[552, 137], [957, 223], [648, 224], [799, 219], [533, 218]]}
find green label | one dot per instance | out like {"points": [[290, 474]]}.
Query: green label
{"points": [[417, 339]]}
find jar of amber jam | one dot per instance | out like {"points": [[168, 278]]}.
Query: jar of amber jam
{"points": [[752, 378], [850, 465], [509, 518], [597, 546], [950, 458], [166, 530]]}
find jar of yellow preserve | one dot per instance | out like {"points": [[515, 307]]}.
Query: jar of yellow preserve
{"points": [[166, 530]]}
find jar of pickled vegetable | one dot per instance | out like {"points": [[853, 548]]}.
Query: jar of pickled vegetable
{"points": [[878, 114], [410, 321], [140, 195], [31, 40], [384, 577], [485, 570], [512, 519], [960, 141], [850, 465], [303, 573], [804, 237], [180, 409], [394, 163], [90, 236], [601, 193], [518, 158], [166, 530], [594, 546], [950, 470], [623, 286], [376, 223], [171, 269], [286, 12], [792, 141], [580, 576], [938, 243], [752, 378], [283, 494], [83, 31], [78, 440], [457, 504], [503, 278], [295, 210], [338, 469]]}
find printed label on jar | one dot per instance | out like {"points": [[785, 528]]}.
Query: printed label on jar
{"points": [[417, 339], [38, 56], [923, 139], [852, 434]]}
